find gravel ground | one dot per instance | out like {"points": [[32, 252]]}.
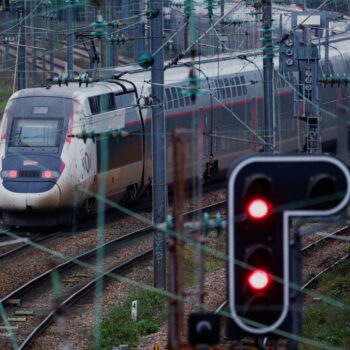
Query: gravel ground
{"points": [[318, 260], [79, 322], [31, 262], [215, 288]]}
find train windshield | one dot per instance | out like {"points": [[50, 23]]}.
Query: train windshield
{"points": [[35, 132]]}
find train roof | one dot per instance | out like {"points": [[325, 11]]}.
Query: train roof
{"points": [[72, 91], [220, 65]]}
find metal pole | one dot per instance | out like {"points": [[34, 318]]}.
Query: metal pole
{"points": [[6, 55], [32, 24], [158, 143], [108, 43], [139, 34], [52, 38], [125, 15], [21, 52], [5, 42], [43, 26], [268, 76], [70, 38], [176, 307], [222, 12], [326, 44]]}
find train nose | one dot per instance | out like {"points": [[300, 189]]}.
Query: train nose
{"points": [[29, 198]]}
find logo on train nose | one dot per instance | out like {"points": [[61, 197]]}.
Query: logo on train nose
{"points": [[86, 162], [28, 162]]}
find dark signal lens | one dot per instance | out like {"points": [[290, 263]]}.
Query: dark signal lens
{"points": [[259, 279], [258, 208]]}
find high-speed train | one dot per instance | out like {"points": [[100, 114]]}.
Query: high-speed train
{"points": [[43, 169]]}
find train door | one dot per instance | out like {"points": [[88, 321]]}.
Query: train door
{"points": [[125, 152]]}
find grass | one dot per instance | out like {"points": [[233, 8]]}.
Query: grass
{"points": [[323, 322], [5, 93], [118, 327]]}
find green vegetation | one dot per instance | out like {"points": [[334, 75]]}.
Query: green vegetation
{"points": [[323, 322], [118, 328], [211, 263], [5, 93]]}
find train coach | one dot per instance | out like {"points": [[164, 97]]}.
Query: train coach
{"points": [[44, 168]]}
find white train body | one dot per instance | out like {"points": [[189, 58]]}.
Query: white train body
{"points": [[45, 173]]}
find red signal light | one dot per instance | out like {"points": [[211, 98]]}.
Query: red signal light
{"points": [[259, 279], [258, 208]]}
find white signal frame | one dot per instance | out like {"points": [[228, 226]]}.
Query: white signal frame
{"points": [[286, 218]]}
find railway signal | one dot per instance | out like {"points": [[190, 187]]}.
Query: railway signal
{"points": [[264, 192]]}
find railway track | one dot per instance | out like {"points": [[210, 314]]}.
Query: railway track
{"points": [[309, 248], [7, 251], [77, 280], [333, 263], [328, 260]]}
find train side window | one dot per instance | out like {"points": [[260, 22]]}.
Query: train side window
{"points": [[228, 88], [104, 101], [169, 102], [181, 97], [175, 97], [187, 99], [243, 85], [239, 87], [221, 89], [111, 102], [233, 87], [124, 100], [214, 85]]}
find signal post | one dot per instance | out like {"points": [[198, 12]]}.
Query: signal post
{"points": [[264, 193], [263, 271]]}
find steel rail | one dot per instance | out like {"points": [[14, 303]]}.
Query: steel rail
{"points": [[26, 245], [89, 254], [324, 238], [328, 268], [77, 295], [71, 263], [303, 250]]}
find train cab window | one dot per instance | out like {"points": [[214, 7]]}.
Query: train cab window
{"points": [[125, 100], [94, 103], [239, 87], [102, 103], [175, 97], [35, 132], [169, 102]]}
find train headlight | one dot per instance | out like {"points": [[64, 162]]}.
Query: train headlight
{"points": [[49, 174], [9, 174]]}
